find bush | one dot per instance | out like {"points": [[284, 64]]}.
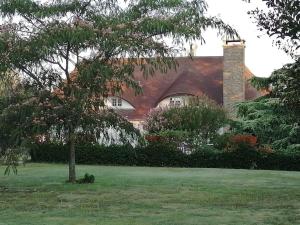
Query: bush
{"points": [[288, 159], [244, 138], [239, 156], [221, 141], [205, 156], [161, 154], [87, 179], [200, 118], [49, 152]]}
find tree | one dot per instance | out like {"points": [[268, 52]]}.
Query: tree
{"points": [[281, 21], [274, 118], [272, 122], [103, 41], [283, 84], [199, 120]]}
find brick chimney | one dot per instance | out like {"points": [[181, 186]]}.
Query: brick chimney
{"points": [[233, 75]]}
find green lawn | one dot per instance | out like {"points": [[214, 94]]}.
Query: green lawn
{"points": [[162, 196]]}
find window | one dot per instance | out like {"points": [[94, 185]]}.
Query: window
{"points": [[116, 102], [175, 102], [119, 102], [171, 102]]}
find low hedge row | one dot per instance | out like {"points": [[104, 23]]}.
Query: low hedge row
{"points": [[167, 155]]}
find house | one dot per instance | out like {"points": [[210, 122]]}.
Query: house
{"points": [[224, 79]]}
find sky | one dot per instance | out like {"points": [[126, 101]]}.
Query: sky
{"points": [[261, 56]]}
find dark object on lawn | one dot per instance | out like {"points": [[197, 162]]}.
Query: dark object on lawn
{"points": [[87, 179]]}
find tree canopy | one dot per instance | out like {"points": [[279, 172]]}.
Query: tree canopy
{"points": [[281, 21], [102, 43], [283, 84], [274, 118], [273, 123]]}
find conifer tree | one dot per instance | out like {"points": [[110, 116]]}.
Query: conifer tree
{"points": [[103, 41]]}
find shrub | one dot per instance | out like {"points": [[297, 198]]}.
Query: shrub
{"points": [[267, 149], [205, 156], [201, 118], [273, 123], [221, 141], [161, 154], [244, 138], [240, 156], [87, 179], [279, 160]]}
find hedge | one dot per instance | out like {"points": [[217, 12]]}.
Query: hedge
{"points": [[162, 154]]}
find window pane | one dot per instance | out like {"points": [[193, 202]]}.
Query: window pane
{"points": [[119, 102], [114, 102]]}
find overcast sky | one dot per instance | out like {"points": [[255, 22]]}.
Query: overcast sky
{"points": [[261, 56]]}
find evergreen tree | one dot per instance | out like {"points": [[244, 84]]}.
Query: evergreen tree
{"points": [[103, 41]]}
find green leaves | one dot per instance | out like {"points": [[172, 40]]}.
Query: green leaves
{"points": [[281, 21], [70, 55], [273, 123], [284, 84], [201, 118]]}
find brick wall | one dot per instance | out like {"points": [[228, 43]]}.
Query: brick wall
{"points": [[233, 75]]}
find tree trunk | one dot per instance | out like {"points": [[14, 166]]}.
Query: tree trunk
{"points": [[72, 172]]}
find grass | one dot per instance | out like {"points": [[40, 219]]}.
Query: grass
{"points": [[38, 195]]}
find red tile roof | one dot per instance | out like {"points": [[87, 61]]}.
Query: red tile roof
{"points": [[197, 76]]}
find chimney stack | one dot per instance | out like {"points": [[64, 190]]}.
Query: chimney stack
{"points": [[233, 75]]}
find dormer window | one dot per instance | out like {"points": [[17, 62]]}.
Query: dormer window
{"points": [[175, 102], [116, 102]]}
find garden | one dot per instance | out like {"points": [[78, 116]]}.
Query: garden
{"points": [[193, 164]]}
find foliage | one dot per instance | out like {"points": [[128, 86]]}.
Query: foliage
{"points": [[240, 155], [274, 118], [247, 139], [198, 121], [281, 21], [284, 84], [14, 124], [273, 123], [221, 141], [87, 179], [12, 158], [104, 42], [161, 154]]}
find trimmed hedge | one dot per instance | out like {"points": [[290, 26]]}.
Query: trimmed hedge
{"points": [[163, 154]]}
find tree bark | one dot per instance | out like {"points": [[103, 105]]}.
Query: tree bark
{"points": [[72, 172]]}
